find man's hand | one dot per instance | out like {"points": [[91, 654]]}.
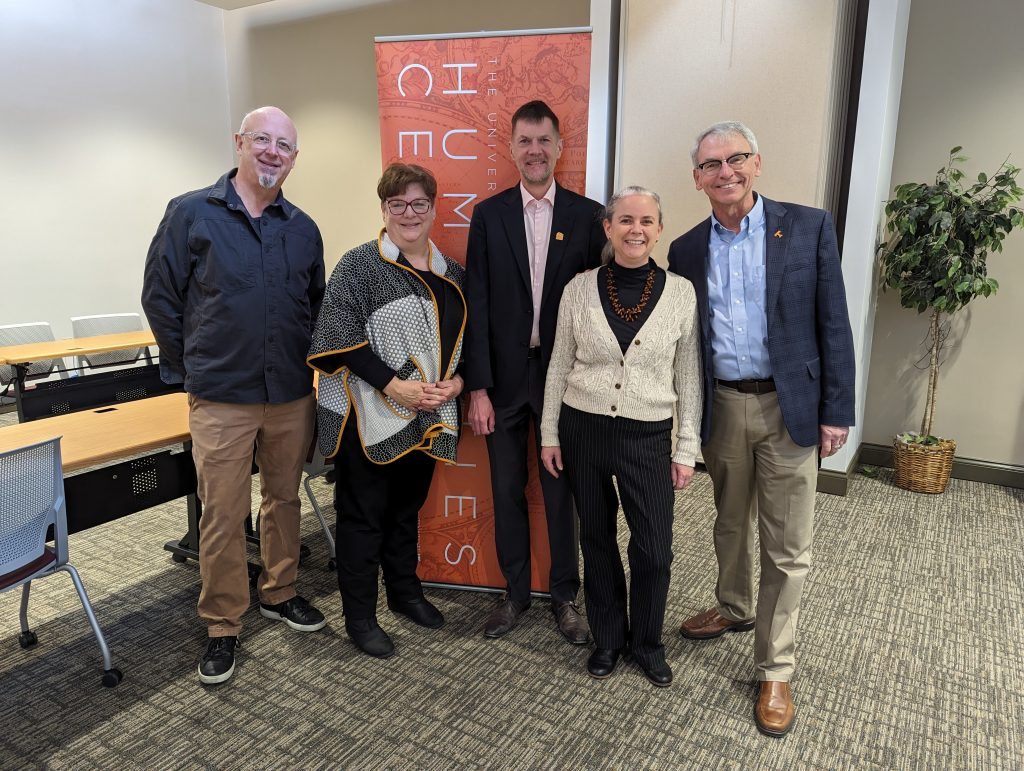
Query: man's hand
{"points": [[551, 457], [681, 476], [481, 412], [832, 439]]}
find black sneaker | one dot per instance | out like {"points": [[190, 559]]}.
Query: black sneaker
{"points": [[297, 613], [369, 637], [218, 663]]}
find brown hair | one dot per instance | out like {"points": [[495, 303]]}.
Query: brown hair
{"points": [[535, 112], [398, 176]]}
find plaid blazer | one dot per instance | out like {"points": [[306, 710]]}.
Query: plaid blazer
{"points": [[810, 344]]}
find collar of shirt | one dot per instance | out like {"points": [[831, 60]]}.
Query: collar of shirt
{"points": [[549, 196], [224, 190], [749, 225]]}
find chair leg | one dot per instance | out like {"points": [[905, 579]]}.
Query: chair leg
{"points": [[23, 615], [323, 522], [111, 676], [27, 638]]}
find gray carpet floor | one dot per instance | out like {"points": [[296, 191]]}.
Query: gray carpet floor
{"points": [[909, 657]]}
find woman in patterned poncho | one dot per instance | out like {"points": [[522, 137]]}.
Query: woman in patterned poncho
{"points": [[387, 346]]}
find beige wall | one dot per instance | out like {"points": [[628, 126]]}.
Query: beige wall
{"points": [[109, 109], [687, 65], [962, 86], [319, 67]]}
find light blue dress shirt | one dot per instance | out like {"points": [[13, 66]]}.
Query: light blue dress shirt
{"points": [[736, 294]]}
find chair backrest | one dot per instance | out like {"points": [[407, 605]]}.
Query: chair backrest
{"points": [[31, 500], [108, 324], [33, 332]]}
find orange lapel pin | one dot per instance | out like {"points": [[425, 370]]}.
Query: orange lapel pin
{"points": [[778, 234], [559, 236]]}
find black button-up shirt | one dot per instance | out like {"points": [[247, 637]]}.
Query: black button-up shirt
{"points": [[232, 300]]}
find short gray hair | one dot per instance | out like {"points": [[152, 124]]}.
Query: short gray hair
{"points": [[725, 128], [609, 211]]}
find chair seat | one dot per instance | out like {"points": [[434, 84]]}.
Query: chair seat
{"points": [[10, 579]]}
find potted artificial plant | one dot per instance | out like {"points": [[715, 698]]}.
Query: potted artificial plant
{"points": [[940, 236]]}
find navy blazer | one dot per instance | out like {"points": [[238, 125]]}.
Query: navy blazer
{"points": [[499, 295], [810, 344]]}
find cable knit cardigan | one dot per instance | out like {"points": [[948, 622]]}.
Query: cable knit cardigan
{"points": [[658, 377]]}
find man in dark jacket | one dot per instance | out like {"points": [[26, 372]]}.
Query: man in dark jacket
{"points": [[233, 283], [525, 244]]}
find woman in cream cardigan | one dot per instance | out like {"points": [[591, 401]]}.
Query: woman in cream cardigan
{"points": [[625, 366]]}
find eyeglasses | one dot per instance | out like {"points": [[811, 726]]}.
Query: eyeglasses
{"points": [[419, 205], [713, 166], [263, 141]]}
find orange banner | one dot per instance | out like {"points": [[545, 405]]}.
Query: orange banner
{"points": [[446, 104]]}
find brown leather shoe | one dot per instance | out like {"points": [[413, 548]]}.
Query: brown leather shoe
{"points": [[774, 712], [571, 623], [503, 618], [711, 624]]}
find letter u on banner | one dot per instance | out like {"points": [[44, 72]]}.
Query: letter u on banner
{"points": [[446, 103]]}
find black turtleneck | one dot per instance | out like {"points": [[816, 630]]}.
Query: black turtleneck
{"points": [[629, 282]]}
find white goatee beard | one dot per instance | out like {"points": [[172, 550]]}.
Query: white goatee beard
{"points": [[268, 181]]}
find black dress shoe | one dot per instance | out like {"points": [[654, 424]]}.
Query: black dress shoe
{"points": [[503, 618], [369, 637], [659, 674], [218, 663], [571, 623], [419, 611], [602, 662]]}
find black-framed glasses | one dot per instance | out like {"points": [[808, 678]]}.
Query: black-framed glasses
{"points": [[736, 161], [263, 141], [419, 205]]}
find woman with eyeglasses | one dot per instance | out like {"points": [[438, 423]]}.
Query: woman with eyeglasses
{"points": [[387, 346], [625, 366]]}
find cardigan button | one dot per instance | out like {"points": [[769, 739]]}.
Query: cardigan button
{"points": [[613, 408], [618, 385], [637, 342]]}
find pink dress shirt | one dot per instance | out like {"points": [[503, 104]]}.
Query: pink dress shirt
{"points": [[537, 214]]}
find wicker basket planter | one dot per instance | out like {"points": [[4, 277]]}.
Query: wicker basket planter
{"points": [[923, 468]]}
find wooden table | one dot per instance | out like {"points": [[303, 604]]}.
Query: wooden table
{"points": [[21, 356], [26, 353], [99, 493]]}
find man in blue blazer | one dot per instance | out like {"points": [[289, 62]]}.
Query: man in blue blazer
{"points": [[525, 244], [778, 389]]}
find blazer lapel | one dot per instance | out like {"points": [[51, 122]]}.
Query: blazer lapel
{"points": [[561, 232], [776, 223], [697, 251], [515, 229]]}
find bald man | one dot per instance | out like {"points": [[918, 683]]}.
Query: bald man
{"points": [[232, 286]]}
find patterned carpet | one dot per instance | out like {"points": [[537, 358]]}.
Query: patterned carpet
{"points": [[909, 657]]}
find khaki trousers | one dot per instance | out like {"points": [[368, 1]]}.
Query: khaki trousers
{"points": [[761, 478], [223, 436]]}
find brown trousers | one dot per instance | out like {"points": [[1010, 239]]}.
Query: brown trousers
{"points": [[764, 480], [223, 436]]}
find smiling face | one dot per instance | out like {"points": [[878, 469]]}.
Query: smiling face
{"points": [[633, 229], [535, 147], [730, 190], [265, 165], [409, 231]]}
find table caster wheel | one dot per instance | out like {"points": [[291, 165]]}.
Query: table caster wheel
{"points": [[27, 639], [179, 558], [111, 677]]}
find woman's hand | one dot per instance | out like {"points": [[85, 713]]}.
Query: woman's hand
{"points": [[411, 394], [551, 457], [445, 390], [681, 476]]}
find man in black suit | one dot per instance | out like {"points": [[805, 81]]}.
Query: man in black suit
{"points": [[778, 386], [525, 244]]}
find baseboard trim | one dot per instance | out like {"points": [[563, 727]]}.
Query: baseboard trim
{"points": [[972, 470], [838, 482]]}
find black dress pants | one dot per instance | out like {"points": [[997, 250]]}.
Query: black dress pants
{"points": [[637, 454], [378, 524], [507, 448]]}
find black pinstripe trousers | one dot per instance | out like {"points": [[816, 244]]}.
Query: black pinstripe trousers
{"points": [[638, 454]]}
